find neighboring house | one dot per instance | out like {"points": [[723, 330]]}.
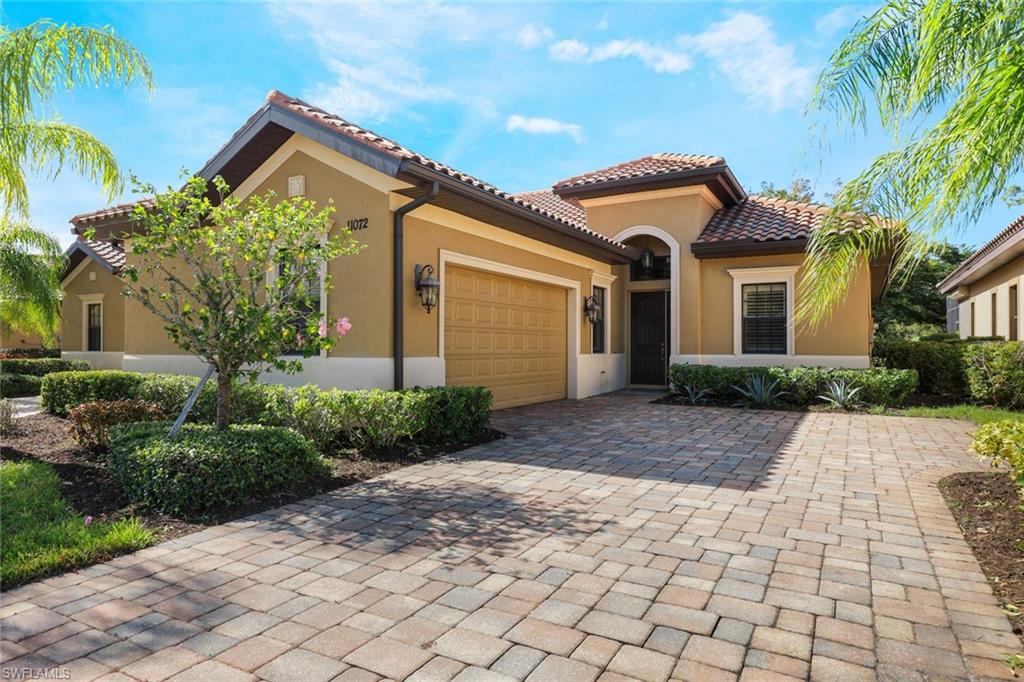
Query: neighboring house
{"points": [[677, 262], [989, 287]]}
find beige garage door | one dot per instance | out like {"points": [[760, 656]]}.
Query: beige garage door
{"points": [[506, 334]]}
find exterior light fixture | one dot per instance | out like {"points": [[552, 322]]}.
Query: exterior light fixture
{"points": [[592, 310], [427, 286], [647, 260]]}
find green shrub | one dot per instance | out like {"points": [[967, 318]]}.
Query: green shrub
{"points": [[40, 367], [19, 385], [205, 470], [8, 416], [879, 386], [455, 414], [995, 373], [939, 364], [92, 421], [1003, 442], [62, 391], [380, 419], [170, 391]]}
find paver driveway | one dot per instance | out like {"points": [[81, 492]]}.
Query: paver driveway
{"points": [[606, 538]]}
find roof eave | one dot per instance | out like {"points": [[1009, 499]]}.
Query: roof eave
{"points": [[972, 270], [732, 248], [719, 179]]}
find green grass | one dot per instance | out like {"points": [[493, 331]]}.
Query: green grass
{"points": [[973, 413], [42, 535]]}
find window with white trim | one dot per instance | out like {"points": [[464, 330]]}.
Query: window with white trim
{"points": [[315, 287], [764, 319]]}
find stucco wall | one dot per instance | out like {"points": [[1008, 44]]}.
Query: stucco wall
{"points": [[999, 282], [113, 308], [12, 338]]}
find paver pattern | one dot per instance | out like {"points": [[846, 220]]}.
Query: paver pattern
{"points": [[605, 539]]}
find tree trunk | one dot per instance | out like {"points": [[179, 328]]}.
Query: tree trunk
{"points": [[223, 400]]}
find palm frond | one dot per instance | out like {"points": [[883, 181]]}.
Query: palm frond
{"points": [[31, 263]]}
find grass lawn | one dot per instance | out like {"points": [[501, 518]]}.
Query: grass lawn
{"points": [[42, 535], [973, 413]]}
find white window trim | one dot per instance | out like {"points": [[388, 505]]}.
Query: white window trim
{"points": [[603, 280], [272, 275], [740, 276], [87, 300]]}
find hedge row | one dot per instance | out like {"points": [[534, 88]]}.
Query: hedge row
{"points": [[364, 419], [18, 385], [995, 373], [40, 367], [11, 353], [939, 364], [888, 387], [204, 469]]}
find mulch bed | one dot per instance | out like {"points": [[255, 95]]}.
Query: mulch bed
{"points": [[90, 490], [987, 507]]}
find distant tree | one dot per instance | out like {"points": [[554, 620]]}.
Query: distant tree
{"points": [[943, 77], [236, 284], [915, 300], [800, 189]]}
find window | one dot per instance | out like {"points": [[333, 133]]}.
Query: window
{"points": [[94, 314], [994, 313], [764, 318], [1014, 314], [974, 320], [315, 288], [597, 329]]}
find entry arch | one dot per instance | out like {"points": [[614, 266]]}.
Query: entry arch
{"points": [[673, 297]]}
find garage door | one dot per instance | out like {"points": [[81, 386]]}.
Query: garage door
{"points": [[506, 334]]}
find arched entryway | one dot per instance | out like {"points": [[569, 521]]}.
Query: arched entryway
{"points": [[652, 305]]}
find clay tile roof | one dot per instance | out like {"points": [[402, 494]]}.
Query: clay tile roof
{"points": [[109, 253], [645, 166], [979, 257], [546, 200], [118, 211], [763, 219]]}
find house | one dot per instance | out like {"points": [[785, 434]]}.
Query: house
{"points": [[989, 288], [597, 282]]}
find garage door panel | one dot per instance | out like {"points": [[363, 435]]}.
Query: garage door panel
{"points": [[506, 334]]}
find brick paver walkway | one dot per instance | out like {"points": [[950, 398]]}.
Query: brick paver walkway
{"points": [[611, 538]]}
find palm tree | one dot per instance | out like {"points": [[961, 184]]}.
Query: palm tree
{"points": [[946, 79], [30, 266], [36, 61]]}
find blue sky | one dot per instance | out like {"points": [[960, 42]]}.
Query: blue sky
{"points": [[520, 95]]}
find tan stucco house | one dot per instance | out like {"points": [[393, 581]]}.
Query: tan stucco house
{"points": [[670, 256], [987, 289]]}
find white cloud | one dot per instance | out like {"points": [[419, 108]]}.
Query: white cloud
{"points": [[841, 18], [569, 50], [543, 126], [376, 53], [744, 48], [530, 36], [657, 58]]}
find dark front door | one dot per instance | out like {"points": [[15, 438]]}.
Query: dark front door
{"points": [[648, 338]]}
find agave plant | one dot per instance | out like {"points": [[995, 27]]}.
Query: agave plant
{"points": [[759, 391], [841, 395], [691, 395]]}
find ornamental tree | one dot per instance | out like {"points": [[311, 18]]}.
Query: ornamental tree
{"points": [[236, 283]]}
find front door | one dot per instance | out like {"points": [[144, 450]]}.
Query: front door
{"points": [[648, 335]]}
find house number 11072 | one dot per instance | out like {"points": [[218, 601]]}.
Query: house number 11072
{"points": [[357, 223]]}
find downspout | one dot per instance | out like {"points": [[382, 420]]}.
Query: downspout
{"points": [[398, 281]]}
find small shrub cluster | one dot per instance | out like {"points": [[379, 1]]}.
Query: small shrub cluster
{"points": [[799, 385], [18, 353], [1003, 443], [7, 416], [372, 419], [21, 377], [995, 373], [92, 421], [204, 469], [939, 363], [19, 385]]}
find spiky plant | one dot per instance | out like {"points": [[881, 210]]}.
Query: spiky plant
{"points": [[841, 395], [759, 391]]}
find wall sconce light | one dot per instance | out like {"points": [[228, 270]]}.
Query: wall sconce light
{"points": [[427, 286], [592, 310], [647, 260]]}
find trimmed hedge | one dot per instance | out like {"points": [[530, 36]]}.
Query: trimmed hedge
{"points": [[1003, 442], [40, 367], [17, 353], [19, 385], [204, 469], [995, 373], [887, 387], [939, 364], [363, 419]]}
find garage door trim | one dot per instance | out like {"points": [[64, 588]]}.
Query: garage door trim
{"points": [[573, 316]]}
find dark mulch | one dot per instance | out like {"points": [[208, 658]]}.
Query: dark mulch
{"points": [[987, 507], [89, 488]]}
